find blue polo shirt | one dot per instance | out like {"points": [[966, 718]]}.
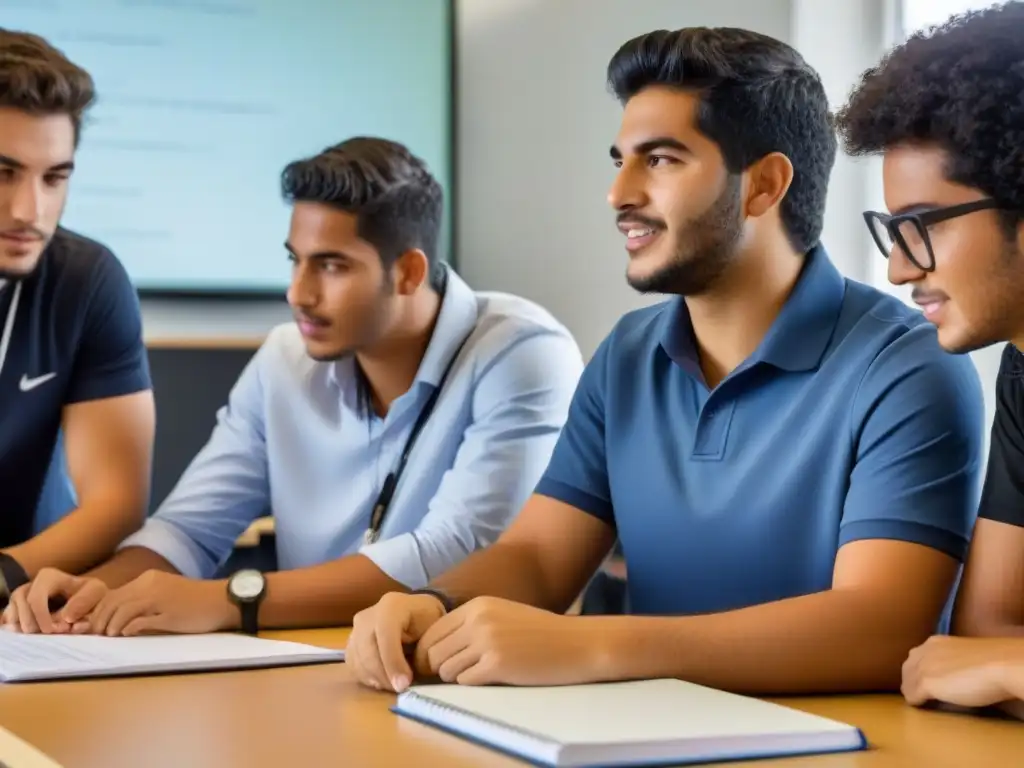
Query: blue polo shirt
{"points": [[70, 332], [848, 422]]}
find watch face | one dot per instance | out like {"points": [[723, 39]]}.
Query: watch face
{"points": [[246, 585]]}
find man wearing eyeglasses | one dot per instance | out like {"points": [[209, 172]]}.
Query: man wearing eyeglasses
{"points": [[945, 110]]}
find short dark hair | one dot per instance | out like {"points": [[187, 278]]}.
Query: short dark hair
{"points": [[38, 79], [758, 96], [397, 202], [957, 86]]}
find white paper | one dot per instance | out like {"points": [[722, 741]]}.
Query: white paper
{"points": [[45, 657]]}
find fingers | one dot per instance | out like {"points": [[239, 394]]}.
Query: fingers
{"points": [[81, 628], [143, 625], [453, 668], [911, 686], [100, 616], [390, 635], [480, 673], [38, 600], [367, 663], [83, 602], [439, 631], [25, 617], [446, 647], [124, 613]]}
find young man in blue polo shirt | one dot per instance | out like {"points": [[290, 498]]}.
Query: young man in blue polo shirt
{"points": [[789, 458], [392, 430], [71, 350], [954, 187]]}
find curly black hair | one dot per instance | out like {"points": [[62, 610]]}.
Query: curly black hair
{"points": [[960, 87], [758, 96]]}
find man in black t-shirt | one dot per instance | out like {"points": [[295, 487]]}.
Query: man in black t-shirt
{"points": [[946, 112], [72, 361]]}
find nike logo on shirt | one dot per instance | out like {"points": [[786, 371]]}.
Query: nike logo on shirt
{"points": [[28, 384]]}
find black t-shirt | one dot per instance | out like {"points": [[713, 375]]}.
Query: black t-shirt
{"points": [[1003, 496], [69, 332]]}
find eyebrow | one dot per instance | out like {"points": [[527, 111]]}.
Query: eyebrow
{"points": [[652, 145], [321, 255], [914, 208], [17, 165]]}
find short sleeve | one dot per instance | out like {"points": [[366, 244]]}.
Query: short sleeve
{"points": [[578, 471], [919, 428], [1003, 496], [111, 357]]}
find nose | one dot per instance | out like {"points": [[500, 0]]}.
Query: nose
{"points": [[901, 269], [27, 203], [302, 292], [627, 190]]}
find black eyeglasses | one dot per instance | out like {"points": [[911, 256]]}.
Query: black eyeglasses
{"points": [[910, 230]]}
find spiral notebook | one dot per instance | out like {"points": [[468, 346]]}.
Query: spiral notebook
{"points": [[644, 723]]}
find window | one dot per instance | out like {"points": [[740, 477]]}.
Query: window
{"points": [[918, 14]]}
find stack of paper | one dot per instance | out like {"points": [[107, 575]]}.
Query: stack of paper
{"points": [[51, 657]]}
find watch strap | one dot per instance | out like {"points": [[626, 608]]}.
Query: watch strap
{"points": [[12, 576], [250, 616], [445, 599]]}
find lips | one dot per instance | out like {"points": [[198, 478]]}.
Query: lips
{"points": [[638, 234], [310, 327], [931, 309], [18, 237]]}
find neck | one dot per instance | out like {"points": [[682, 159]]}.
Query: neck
{"points": [[730, 321], [390, 366]]}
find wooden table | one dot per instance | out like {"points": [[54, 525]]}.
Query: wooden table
{"points": [[306, 717]]}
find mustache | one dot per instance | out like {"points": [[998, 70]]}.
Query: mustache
{"points": [[25, 232], [922, 296], [302, 317], [635, 218]]}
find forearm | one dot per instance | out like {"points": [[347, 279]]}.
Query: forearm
{"points": [[80, 540], [986, 623], [506, 570], [324, 595], [128, 564], [834, 641]]}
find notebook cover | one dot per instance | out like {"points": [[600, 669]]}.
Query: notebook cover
{"points": [[863, 745]]}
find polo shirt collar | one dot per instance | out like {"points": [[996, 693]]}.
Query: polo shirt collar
{"points": [[797, 339]]}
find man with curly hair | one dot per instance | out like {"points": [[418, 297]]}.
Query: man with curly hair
{"points": [[946, 112]]}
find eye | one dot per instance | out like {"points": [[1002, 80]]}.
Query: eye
{"points": [[660, 160], [6, 174], [55, 179]]}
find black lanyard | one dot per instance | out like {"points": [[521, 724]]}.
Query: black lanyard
{"points": [[387, 491]]}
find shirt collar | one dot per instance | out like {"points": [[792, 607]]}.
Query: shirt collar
{"points": [[797, 339], [456, 319]]}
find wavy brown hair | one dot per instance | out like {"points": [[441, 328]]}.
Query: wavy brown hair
{"points": [[37, 78]]}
